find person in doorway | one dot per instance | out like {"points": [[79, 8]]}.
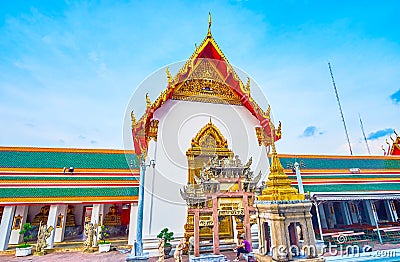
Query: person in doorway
{"points": [[242, 248]]}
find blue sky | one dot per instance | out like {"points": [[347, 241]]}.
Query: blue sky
{"points": [[69, 68]]}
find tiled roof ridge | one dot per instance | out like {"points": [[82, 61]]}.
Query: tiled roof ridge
{"points": [[64, 150], [300, 156]]}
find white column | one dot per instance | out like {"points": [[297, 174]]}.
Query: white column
{"points": [[5, 226], [346, 213], [389, 211], [132, 224], [392, 208], [330, 215], [353, 212], [54, 212], [235, 232], [60, 225], [21, 213], [322, 215], [97, 215], [370, 212]]}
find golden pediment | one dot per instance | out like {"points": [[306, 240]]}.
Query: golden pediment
{"points": [[206, 84], [209, 137]]}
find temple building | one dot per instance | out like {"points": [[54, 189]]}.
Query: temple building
{"points": [[358, 192], [204, 111], [204, 142], [66, 188]]}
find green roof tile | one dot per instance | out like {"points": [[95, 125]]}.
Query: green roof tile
{"points": [[352, 187], [342, 163], [22, 159], [68, 192]]}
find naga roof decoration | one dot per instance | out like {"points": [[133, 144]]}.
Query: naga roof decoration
{"points": [[207, 76], [394, 148]]}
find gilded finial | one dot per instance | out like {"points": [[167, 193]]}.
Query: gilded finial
{"points": [[195, 46], [248, 85], [133, 118], [169, 77], [268, 112], [278, 131], [148, 101], [209, 24], [272, 128], [210, 120]]}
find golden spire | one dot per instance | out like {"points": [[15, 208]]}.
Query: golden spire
{"points": [[209, 24], [278, 184], [148, 101]]}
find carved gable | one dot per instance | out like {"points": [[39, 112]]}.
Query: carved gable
{"points": [[206, 84]]}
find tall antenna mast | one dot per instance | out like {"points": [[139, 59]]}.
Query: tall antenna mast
{"points": [[340, 109], [362, 129]]}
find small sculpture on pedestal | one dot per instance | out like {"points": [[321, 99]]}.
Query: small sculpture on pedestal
{"points": [[43, 234], [161, 251], [191, 246], [178, 251], [90, 233]]}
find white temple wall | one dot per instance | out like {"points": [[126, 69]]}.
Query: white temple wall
{"points": [[22, 211], [179, 122]]}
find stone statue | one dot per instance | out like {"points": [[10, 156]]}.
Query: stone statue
{"points": [[161, 251], [90, 233], [214, 161], [43, 234], [237, 161], [191, 246], [178, 251]]}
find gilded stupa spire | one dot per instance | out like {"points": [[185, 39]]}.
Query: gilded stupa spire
{"points": [[279, 186]]}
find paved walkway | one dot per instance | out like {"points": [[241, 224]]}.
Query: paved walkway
{"points": [[112, 256], [116, 256]]}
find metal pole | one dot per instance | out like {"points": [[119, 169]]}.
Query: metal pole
{"points": [[376, 221], [152, 191], [319, 219], [340, 109], [139, 224], [298, 176]]}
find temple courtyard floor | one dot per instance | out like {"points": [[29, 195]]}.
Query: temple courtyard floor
{"points": [[120, 254]]}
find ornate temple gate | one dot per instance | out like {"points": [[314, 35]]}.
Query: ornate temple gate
{"points": [[220, 191], [219, 218]]}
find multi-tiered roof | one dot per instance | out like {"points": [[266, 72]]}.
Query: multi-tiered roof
{"points": [[207, 77]]}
